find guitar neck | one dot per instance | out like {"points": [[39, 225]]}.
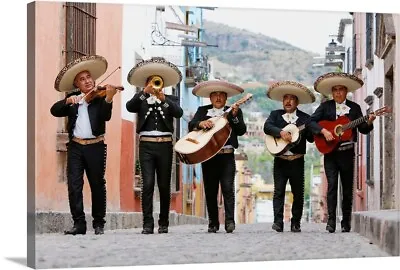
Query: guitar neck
{"points": [[355, 123], [239, 102], [303, 126]]}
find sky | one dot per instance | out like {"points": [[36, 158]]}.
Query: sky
{"points": [[308, 30]]}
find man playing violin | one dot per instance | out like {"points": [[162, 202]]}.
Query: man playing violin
{"points": [[221, 168], [289, 165], [86, 126]]}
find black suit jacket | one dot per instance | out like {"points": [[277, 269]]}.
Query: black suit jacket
{"points": [[275, 122], [170, 108], [99, 112], [237, 124], [327, 111]]}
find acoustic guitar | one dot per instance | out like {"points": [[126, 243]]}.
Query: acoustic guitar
{"points": [[201, 145], [278, 146], [341, 130]]}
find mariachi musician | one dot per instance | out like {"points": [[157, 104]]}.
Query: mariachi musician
{"points": [[86, 126], [290, 164], [156, 112], [221, 168], [341, 160]]}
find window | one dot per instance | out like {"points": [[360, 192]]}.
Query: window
{"points": [[80, 30]]}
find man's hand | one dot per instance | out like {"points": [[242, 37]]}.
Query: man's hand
{"points": [[327, 134], [149, 89], [371, 119], [286, 136], [235, 109], [206, 124], [74, 99], [110, 92], [160, 95]]}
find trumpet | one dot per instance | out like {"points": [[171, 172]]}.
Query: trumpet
{"points": [[156, 82]]}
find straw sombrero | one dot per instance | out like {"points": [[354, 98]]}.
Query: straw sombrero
{"points": [[170, 73], [204, 89], [277, 90], [95, 64], [324, 83]]}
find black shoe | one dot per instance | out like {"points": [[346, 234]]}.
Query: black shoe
{"points": [[163, 229], [295, 227], [345, 226], [76, 230], [147, 230], [230, 227], [212, 229], [331, 226], [99, 230], [277, 227]]}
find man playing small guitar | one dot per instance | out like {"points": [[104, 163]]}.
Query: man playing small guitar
{"points": [[341, 159], [290, 164], [221, 167]]}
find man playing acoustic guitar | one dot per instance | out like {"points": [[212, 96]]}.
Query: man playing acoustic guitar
{"points": [[290, 164], [221, 167], [341, 159]]}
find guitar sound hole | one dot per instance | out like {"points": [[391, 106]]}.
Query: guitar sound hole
{"points": [[339, 131]]}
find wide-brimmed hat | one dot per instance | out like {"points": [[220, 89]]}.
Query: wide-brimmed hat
{"points": [[169, 72], [95, 64], [279, 89], [204, 89], [324, 83]]}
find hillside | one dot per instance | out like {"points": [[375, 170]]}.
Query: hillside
{"points": [[243, 56]]}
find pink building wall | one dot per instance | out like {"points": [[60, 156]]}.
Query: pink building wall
{"points": [[50, 190]]}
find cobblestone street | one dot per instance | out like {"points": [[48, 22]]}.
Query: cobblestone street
{"points": [[193, 244]]}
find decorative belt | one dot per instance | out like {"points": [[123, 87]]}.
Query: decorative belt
{"points": [[225, 151], [88, 141], [346, 147], [291, 157], [155, 139]]}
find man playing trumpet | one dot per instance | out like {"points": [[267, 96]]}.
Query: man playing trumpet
{"points": [[156, 112]]}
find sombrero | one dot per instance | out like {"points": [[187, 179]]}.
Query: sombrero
{"points": [[204, 89], [277, 90], [95, 64], [324, 83], [170, 73]]}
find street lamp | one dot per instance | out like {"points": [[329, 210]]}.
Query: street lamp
{"points": [[200, 70]]}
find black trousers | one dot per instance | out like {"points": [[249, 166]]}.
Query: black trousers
{"points": [[220, 169], [156, 158], [293, 171], [335, 163], [91, 159]]}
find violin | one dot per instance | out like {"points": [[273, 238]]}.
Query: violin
{"points": [[98, 92]]}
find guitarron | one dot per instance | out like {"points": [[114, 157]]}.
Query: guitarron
{"points": [[201, 145]]}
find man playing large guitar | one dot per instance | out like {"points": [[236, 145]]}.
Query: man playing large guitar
{"points": [[341, 159], [221, 167], [288, 165]]}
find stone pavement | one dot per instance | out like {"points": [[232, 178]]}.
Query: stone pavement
{"points": [[193, 244]]}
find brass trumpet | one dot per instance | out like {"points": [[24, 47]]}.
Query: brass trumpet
{"points": [[156, 82]]}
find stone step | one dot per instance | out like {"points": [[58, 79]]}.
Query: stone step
{"points": [[57, 222], [381, 227]]}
